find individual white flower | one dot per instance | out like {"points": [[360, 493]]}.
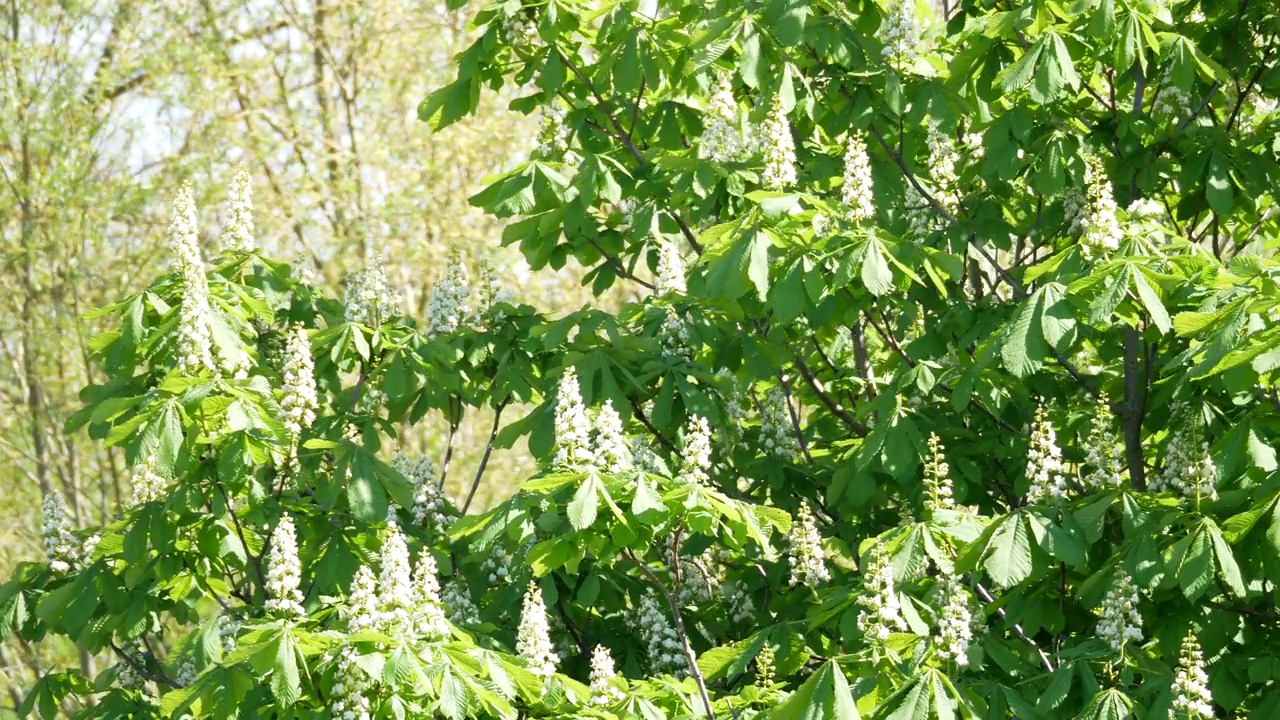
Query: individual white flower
{"points": [[148, 485], [553, 134], [395, 583], [369, 298], [429, 617], [937, 478], [362, 603], [779, 149], [533, 639], [1044, 461], [775, 426], [238, 234], [572, 427], [449, 306], [429, 509], [695, 456], [674, 336], [612, 453], [195, 324], [900, 32], [284, 571], [603, 678], [59, 542], [1101, 227], [955, 622], [662, 643], [723, 140], [670, 276], [881, 612], [456, 599], [856, 196], [350, 686], [1104, 456], [804, 550], [298, 401], [1121, 622], [1191, 697], [1189, 468]]}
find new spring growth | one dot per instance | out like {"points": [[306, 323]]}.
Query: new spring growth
{"points": [[572, 427], [195, 326], [1121, 623], [603, 678], [284, 572], [533, 640], [804, 550], [937, 479], [779, 149], [1044, 461], [881, 611], [237, 236], [1103, 457]]}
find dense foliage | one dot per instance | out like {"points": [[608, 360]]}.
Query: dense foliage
{"points": [[949, 394]]}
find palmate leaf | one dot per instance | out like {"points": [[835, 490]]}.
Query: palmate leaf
{"points": [[824, 696], [1008, 558]]}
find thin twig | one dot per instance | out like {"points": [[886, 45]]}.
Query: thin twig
{"points": [[484, 459]]}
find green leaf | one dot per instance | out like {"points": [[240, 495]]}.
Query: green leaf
{"points": [[285, 683], [1228, 570], [1008, 560], [1110, 704], [646, 498], [824, 696], [582, 509], [1018, 75], [1151, 301], [876, 275], [1024, 346], [1217, 185]]}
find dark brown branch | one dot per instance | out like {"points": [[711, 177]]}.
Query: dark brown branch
{"points": [[484, 459]]}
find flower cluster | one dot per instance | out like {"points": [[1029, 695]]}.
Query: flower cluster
{"points": [[1191, 697], [779, 149], [553, 134], [362, 602], [611, 452], [695, 455], [1044, 461], [922, 218], [60, 545], [765, 666], [449, 305], [900, 32], [775, 426], [429, 618], [1121, 622], [456, 599], [148, 485], [1104, 453], [350, 687], [396, 596], [804, 551], [298, 402], [1171, 102], [195, 319], [228, 632], [943, 159], [662, 644], [127, 675], [533, 639], [734, 399], [572, 427], [603, 678], [881, 612], [937, 478], [519, 30], [1189, 468], [674, 336], [497, 565], [722, 138], [284, 571], [238, 234], [955, 622], [1098, 221], [369, 298], [429, 509], [741, 608], [670, 275], [856, 194]]}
